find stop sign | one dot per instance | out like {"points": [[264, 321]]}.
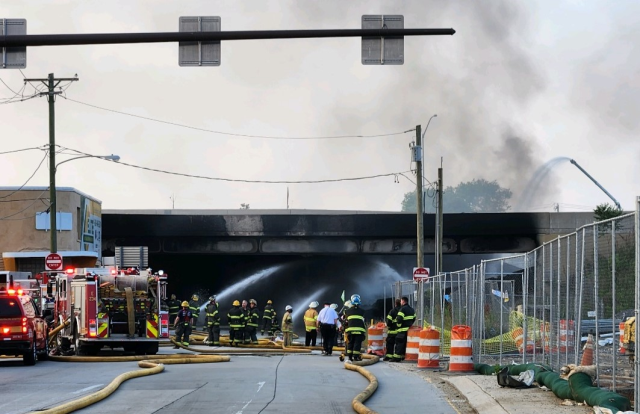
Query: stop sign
{"points": [[53, 261]]}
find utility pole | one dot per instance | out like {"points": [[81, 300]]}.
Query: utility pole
{"points": [[440, 218], [51, 82], [420, 208]]}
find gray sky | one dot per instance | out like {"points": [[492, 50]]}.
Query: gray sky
{"points": [[518, 85]]}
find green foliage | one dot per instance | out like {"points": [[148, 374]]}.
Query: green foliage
{"points": [[606, 211], [476, 196]]}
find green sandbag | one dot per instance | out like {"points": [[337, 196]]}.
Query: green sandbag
{"points": [[484, 369], [556, 384], [583, 390]]}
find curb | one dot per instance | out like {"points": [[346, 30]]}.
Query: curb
{"points": [[482, 402]]}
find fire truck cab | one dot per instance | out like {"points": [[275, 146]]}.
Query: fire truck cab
{"points": [[111, 308]]}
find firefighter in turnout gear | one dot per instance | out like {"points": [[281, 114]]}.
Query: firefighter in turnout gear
{"points": [[268, 318], [183, 324], [174, 306], [310, 324], [213, 322], [252, 322], [392, 331], [287, 326], [194, 306], [405, 318], [236, 324], [356, 329]]}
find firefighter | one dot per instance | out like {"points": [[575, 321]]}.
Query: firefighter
{"points": [[356, 329], [174, 307], [287, 326], [392, 330], [213, 322], [246, 339], [268, 317], [310, 324], [183, 324], [405, 318], [252, 321], [236, 324], [194, 305]]}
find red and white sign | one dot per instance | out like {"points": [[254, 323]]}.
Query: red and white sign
{"points": [[53, 262], [421, 274]]}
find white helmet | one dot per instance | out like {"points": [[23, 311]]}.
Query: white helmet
{"points": [[334, 306], [347, 304], [313, 304], [288, 308]]}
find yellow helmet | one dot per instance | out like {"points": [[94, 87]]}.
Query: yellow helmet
{"points": [[269, 302], [185, 303], [236, 303], [195, 297]]}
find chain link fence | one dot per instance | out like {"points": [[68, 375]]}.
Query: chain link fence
{"points": [[544, 305]]}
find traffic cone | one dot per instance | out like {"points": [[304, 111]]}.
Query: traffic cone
{"points": [[587, 352]]}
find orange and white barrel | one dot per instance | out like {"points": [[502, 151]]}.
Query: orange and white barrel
{"points": [[429, 351], [518, 337], [413, 344], [567, 335], [621, 341], [461, 349], [376, 335], [545, 333]]}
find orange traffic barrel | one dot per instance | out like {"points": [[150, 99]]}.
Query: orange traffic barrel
{"points": [[621, 341], [567, 335], [461, 349], [518, 337], [413, 343], [376, 335], [429, 351]]}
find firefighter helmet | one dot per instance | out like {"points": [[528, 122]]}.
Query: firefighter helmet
{"points": [[212, 298], [288, 308], [269, 302], [173, 296], [313, 304], [253, 301], [195, 297], [355, 299], [185, 304], [236, 302], [334, 306], [347, 304]]}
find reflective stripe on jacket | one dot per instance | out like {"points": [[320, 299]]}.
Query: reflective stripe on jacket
{"points": [[355, 320], [310, 319], [391, 321], [406, 317], [254, 317], [236, 318], [195, 308], [213, 317]]}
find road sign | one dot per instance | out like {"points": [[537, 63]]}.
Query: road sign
{"points": [[199, 53], [13, 57], [53, 262], [385, 50], [421, 274]]}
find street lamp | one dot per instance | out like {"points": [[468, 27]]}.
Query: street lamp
{"points": [[52, 194]]}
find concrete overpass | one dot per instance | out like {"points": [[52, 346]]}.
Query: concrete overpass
{"points": [[321, 232]]}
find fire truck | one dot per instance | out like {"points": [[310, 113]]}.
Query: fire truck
{"points": [[111, 308]]}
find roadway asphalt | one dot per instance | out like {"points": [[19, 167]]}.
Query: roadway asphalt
{"points": [[266, 384]]}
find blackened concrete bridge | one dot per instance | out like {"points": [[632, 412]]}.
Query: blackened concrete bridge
{"points": [[311, 233]]}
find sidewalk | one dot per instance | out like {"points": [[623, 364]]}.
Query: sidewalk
{"points": [[485, 396]]}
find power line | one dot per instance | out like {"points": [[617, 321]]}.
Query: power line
{"points": [[27, 207], [232, 134], [42, 148], [237, 180], [28, 179]]}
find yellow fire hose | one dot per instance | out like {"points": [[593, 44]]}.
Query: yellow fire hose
{"points": [[150, 367], [54, 332], [358, 402]]}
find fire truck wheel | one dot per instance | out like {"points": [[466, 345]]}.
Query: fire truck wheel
{"points": [[29, 357], [77, 344]]}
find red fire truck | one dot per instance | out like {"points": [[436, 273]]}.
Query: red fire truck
{"points": [[111, 308]]}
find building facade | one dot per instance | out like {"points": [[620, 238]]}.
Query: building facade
{"points": [[25, 232]]}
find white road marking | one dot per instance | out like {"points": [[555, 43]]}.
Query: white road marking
{"points": [[261, 384], [87, 389]]}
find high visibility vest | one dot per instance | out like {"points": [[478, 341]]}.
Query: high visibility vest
{"points": [[310, 319]]}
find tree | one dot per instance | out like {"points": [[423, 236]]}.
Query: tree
{"points": [[606, 211], [477, 196]]}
